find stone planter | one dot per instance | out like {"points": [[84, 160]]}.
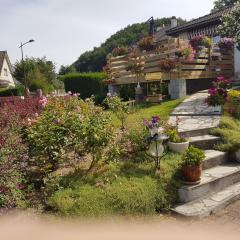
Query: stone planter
{"points": [[178, 147], [192, 174]]}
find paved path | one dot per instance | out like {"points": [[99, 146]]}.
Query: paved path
{"points": [[194, 114]]}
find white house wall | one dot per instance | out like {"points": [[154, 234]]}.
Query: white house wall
{"points": [[9, 77]]}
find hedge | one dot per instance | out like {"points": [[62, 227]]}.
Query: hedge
{"points": [[16, 91], [87, 84]]}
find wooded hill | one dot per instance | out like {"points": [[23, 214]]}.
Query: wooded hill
{"points": [[93, 61]]}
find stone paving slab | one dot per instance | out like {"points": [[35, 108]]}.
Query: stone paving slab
{"points": [[210, 204], [195, 105], [212, 180], [194, 114], [218, 172], [191, 123]]}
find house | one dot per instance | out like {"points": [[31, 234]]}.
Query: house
{"points": [[206, 25], [185, 76], [6, 74]]}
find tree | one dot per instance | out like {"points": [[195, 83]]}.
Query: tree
{"points": [[93, 61], [222, 4], [66, 69], [39, 72], [230, 24]]}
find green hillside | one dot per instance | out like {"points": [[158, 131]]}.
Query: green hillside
{"points": [[93, 61]]}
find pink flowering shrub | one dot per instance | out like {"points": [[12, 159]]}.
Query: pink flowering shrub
{"points": [[186, 54], [67, 129], [218, 93], [14, 158]]}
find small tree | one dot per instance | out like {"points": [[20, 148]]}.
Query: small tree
{"points": [[119, 108], [230, 24], [136, 64], [222, 4]]}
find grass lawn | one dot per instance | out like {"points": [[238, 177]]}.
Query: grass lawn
{"points": [[147, 111], [128, 185]]}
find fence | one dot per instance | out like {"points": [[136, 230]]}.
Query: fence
{"points": [[208, 63]]}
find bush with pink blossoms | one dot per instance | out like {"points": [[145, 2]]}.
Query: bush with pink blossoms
{"points": [[218, 93], [14, 158]]}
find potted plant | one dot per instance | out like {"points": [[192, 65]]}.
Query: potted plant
{"points": [[192, 165], [119, 51], [186, 53], [226, 44], [206, 42], [198, 42], [167, 64], [146, 44], [176, 143]]}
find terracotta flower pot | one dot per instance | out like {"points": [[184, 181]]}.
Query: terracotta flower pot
{"points": [[192, 174]]}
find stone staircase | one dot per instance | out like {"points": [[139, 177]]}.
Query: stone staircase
{"points": [[236, 81], [220, 182]]}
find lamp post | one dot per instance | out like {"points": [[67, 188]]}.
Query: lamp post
{"points": [[24, 72]]}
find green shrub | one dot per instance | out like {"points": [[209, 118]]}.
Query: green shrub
{"points": [[68, 126], [233, 103], [13, 91], [87, 84], [193, 156], [229, 131]]}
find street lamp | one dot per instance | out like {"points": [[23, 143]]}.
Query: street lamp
{"points": [[24, 73]]}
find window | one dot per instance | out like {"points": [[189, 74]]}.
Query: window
{"points": [[5, 72]]}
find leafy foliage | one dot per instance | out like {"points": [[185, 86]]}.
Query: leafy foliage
{"points": [[230, 24], [222, 4], [93, 61], [67, 127], [118, 107], [218, 92], [14, 159], [87, 84], [16, 91], [193, 156], [229, 132], [40, 73], [233, 101]]}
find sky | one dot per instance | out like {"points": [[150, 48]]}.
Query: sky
{"points": [[63, 29]]}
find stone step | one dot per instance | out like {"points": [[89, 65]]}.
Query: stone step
{"points": [[212, 180], [214, 158], [204, 141], [235, 83], [195, 133], [210, 204]]}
